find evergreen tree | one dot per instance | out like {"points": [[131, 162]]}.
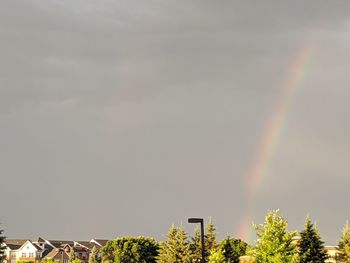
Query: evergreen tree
{"points": [[175, 249], [196, 246], [344, 245], [210, 238], [311, 248], [94, 256], [209, 242], [274, 242], [2, 246]]}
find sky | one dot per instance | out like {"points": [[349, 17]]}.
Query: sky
{"points": [[124, 117]]}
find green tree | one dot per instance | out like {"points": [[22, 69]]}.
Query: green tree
{"points": [[176, 249], [311, 248], [196, 246], [77, 260], [108, 251], [232, 249], [131, 249], [344, 245], [94, 256], [209, 242], [72, 255], [217, 257], [2, 246], [210, 238], [274, 244]]}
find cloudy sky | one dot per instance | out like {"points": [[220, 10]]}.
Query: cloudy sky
{"points": [[123, 117]]}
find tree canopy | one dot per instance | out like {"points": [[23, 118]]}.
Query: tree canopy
{"points": [[94, 256], [176, 249], [2, 246], [274, 242], [131, 249], [344, 245], [311, 248]]}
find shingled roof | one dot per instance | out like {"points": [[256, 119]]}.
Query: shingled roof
{"points": [[58, 254], [19, 242]]}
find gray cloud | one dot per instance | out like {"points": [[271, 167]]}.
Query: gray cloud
{"points": [[112, 112]]}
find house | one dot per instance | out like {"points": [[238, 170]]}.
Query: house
{"points": [[62, 247], [12, 247], [23, 250], [32, 251], [58, 254]]}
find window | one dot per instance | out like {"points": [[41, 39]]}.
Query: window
{"points": [[31, 255], [13, 255], [24, 255]]}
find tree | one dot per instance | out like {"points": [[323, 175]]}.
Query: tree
{"points": [[274, 242], [217, 257], [2, 246], [196, 246], [210, 238], [344, 245], [176, 248], [94, 256], [209, 242], [232, 249], [108, 251], [131, 249], [72, 255], [311, 248]]}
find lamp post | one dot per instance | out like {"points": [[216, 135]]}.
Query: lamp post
{"points": [[199, 221]]}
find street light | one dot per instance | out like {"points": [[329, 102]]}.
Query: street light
{"points": [[199, 221]]}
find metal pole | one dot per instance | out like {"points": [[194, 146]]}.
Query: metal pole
{"points": [[202, 239], [201, 221]]}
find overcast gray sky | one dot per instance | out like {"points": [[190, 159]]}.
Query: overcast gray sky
{"points": [[123, 117]]}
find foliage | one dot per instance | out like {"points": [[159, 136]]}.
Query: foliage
{"points": [[25, 261], [94, 256], [176, 248], [217, 256], [311, 248], [232, 249], [47, 260], [72, 255], [77, 260], [2, 246], [344, 245], [210, 238], [131, 249], [209, 242], [274, 242], [196, 246], [108, 251]]}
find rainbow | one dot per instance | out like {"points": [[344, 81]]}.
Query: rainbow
{"points": [[272, 131]]}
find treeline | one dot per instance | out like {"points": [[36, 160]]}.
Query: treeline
{"points": [[178, 247], [274, 244]]}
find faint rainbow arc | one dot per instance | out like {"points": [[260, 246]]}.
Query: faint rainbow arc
{"points": [[273, 130]]}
